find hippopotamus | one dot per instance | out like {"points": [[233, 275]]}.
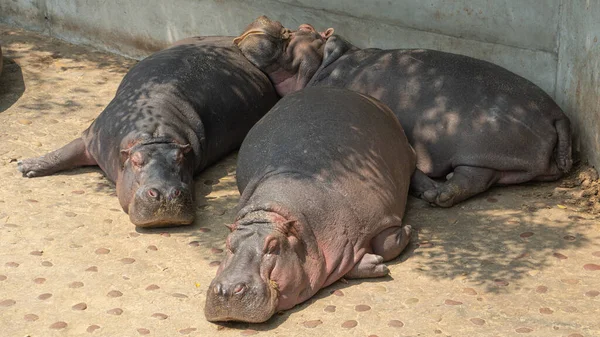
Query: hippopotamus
{"points": [[324, 178], [174, 113], [470, 121]]}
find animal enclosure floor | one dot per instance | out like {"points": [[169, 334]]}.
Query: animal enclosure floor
{"points": [[515, 261]]}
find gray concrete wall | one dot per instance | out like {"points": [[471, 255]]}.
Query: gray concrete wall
{"points": [[549, 42], [578, 81], [500, 31]]}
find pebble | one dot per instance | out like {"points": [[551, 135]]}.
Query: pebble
{"points": [[395, 323], [115, 311], [349, 324], [313, 323], [477, 321], [79, 306], [92, 328], [58, 325], [591, 267], [329, 308], [31, 317], [160, 316], [114, 293], [187, 331], [362, 308], [7, 303]]}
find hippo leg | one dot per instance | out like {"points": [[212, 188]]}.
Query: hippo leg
{"points": [[69, 156], [465, 182], [370, 265], [391, 241], [420, 183], [386, 246]]}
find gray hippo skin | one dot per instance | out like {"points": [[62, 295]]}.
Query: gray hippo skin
{"points": [[324, 178], [1, 61], [471, 121], [175, 113]]}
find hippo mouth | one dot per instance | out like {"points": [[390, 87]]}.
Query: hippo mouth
{"points": [[162, 213], [252, 304]]}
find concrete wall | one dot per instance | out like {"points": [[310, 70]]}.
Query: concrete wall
{"points": [[578, 81], [549, 42]]}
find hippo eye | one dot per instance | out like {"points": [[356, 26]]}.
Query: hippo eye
{"points": [[137, 159]]}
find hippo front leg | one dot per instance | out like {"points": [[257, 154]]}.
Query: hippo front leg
{"points": [[465, 182], [386, 246], [371, 265], [67, 157]]}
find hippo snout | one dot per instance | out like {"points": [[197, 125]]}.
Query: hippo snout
{"points": [[242, 301], [156, 206]]}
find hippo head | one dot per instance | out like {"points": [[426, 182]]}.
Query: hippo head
{"points": [[154, 186], [289, 58], [265, 271]]}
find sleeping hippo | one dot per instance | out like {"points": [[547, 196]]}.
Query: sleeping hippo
{"points": [[324, 178], [471, 121], [175, 113]]}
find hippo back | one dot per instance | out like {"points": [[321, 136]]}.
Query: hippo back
{"points": [[456, 110], [200, 91], [330, 145]]}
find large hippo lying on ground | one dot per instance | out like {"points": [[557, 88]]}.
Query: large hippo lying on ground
{"points": [[174, 113], [476, 120], [324, 178]]}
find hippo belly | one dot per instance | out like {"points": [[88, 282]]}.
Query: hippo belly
{"points": [[175, 112], [324, 178]]}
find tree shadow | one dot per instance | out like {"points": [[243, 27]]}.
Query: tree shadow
{"points": [[12, 85]]}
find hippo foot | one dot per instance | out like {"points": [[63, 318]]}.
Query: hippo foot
{"points": [[463, 183], [443, 196], [69, 156], [35, 167], [370, 265]]}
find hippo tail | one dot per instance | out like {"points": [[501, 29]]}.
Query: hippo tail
{"points": [[562, 152]]}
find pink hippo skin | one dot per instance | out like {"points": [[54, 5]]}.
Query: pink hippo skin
{"points": [[175, 113], [470, 121], [324, 178]]}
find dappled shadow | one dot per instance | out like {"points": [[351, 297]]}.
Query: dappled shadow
{"points": [[200, 92], [456, 110], [491, 243], [494, 239], [46, 63], [12, 85]]}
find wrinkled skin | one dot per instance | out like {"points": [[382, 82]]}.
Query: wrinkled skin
{"points": [[175, 113], [324, 178], [1, 61], [472, 122]]}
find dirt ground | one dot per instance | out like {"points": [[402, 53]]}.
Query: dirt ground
{"points": [[520, 260]]}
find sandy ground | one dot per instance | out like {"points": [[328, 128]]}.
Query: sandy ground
{"points": [[521, 260]]}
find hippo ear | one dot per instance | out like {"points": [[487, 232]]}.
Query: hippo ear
{"points": [[272, 245], [326, 34], [231, 227], [125, 155], [185, 148], [241, 38]]}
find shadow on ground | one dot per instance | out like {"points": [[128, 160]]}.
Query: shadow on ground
{"points": [[12, 85]]}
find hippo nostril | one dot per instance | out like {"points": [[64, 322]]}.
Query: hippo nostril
{"points": [[153, 193], [239, 289], [176, 193], [218, 289]]}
